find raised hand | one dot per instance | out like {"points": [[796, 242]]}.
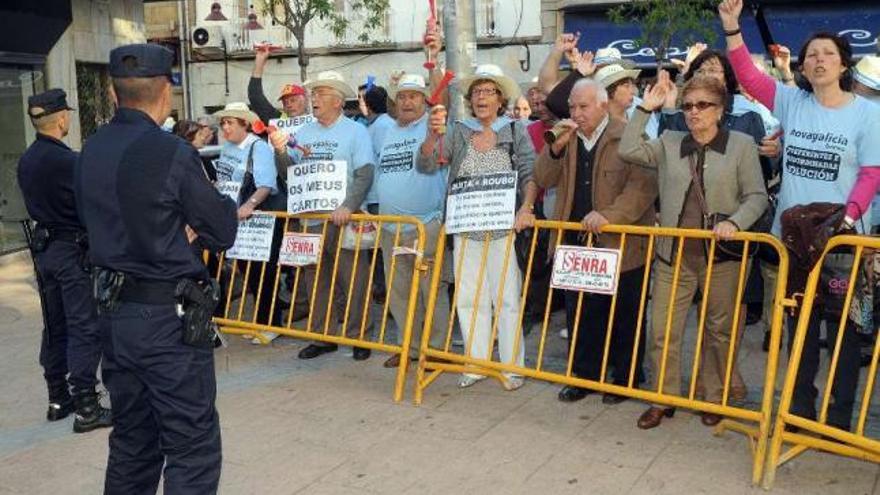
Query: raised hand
{"points": [[729, 11], [655, 96], [693, 51], [585, 64], [566, 41]]}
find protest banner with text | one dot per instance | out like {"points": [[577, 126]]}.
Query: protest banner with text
{"points": [[316, 185], [483, 202], [585, 269], [254, 239]]}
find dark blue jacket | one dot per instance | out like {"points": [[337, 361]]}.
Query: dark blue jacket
{"points": [[137, 187], [45, 175]]}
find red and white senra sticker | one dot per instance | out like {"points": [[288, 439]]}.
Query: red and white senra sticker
{"points": [[585, 269], [299, 249]]}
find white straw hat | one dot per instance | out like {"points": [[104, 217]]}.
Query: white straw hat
{"points": [[610, 74], [867, 72], [409, 82], [334, 80], [238, 110], [609, 55], [509, 88]]}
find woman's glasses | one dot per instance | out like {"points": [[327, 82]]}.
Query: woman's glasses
{"points": [[698, 106], [484, 92]]}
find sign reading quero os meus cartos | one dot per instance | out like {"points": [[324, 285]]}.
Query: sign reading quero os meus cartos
{"points": [[585, 269]]}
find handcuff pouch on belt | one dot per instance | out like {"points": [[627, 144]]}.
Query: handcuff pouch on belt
{"points": [[196, 304], [106, 286], [40, 239]]}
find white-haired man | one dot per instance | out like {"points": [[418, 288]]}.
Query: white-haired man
{"points": [[596, 187], [334, 137]]}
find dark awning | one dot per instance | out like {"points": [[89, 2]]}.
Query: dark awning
{"points": [[791, 25], [32, 27], [597, 31]]}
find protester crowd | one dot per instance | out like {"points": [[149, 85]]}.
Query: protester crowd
{"points": [[714, 143]]}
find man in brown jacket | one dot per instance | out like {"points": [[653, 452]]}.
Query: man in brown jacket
{"points": [[596, 187]]}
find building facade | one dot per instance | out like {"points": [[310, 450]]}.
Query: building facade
{"points": [[47, 44]]}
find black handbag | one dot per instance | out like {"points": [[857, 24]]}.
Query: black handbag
{"points": [[724, 250], [275, 202]]}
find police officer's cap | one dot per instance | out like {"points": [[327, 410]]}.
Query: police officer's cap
{"points": [[47, 103], [141, 60]]}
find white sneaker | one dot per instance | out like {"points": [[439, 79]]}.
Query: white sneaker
{"points": [[468, 380], [563, 333], [270, 336], [513, 382]]}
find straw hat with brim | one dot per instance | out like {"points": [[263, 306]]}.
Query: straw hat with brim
{"points": [[509, 88], [609, 56], [867, 72], [409, 82], [610, 74], [331, 79], [238, 110]]}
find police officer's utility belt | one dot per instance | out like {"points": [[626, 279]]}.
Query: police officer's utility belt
{"points": [[195, 301], [43, 235], [148, 291]]}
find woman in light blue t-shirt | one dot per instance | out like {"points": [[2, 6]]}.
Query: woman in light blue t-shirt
{"points": [[831, 154], [242, 146]]}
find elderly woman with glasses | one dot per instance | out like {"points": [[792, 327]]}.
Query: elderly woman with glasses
{"points": [[707, 172], [486, 143]]}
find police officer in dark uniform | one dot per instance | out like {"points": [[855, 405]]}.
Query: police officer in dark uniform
{"points": [[143, 196], [71, 341]]}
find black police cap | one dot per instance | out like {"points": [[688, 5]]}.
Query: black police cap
{"points": [[47, 103], [141, 60]]}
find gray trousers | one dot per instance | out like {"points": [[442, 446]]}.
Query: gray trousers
{"points": [[399, 287]]}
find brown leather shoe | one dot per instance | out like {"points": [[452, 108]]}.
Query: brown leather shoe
{"points": [[392, 362], [653, 416], [710, 419]]}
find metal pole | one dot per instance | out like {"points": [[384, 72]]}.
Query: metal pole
{"points": [[183, 35], [459, 21]]}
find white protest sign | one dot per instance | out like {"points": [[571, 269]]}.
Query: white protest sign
{"points": [[254, 239], [292, 124], [299, 249], [585, 269], [316, 185], [229, 188], [483, 202]]}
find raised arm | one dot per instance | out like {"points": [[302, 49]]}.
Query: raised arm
{"points": [[755, 82]]}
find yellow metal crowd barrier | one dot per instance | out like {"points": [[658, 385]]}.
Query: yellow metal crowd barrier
{"points": [[345, 272], [434, 360], [804, 433]]}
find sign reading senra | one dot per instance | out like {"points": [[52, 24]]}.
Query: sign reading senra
{"points": [[586, 269]]}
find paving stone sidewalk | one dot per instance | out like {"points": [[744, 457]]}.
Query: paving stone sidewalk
{"points": [[329, 426]]}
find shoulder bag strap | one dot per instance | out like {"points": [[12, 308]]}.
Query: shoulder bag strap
{"points": [[696, 178]]}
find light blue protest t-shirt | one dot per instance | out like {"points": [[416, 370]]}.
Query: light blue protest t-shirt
{"points": [[652, 128], [377, 130], [824, 148], [401, 189], [344, 140], [232, 162], [741, 105]]}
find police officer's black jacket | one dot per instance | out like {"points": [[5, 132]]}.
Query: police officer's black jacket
{"points": [[137, 186], [45, 175]]}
